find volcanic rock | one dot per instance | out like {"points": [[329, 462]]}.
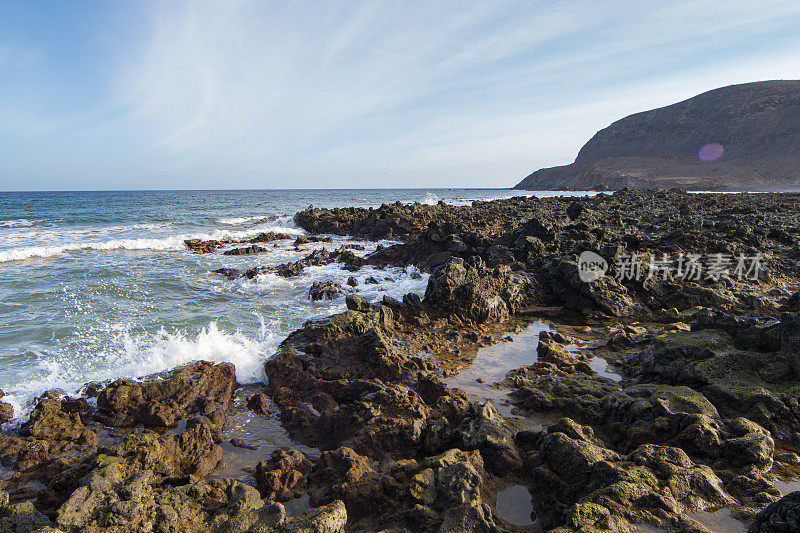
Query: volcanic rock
{"points": [[199, 388]]}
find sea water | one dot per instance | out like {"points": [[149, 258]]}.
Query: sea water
{"points": [[99, 285]]}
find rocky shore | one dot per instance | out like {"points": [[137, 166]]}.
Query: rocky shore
{"points": [[662, 390]]}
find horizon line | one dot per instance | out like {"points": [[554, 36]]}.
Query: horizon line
{"points": [[270, 189]]}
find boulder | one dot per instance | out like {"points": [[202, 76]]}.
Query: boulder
{"points": [[574, 210], [330, 518], [23, 517], [281, 477], [195, 451], [230, 273], [790, 340], [782, 516], [604, 295], [358, 303], [473, 292], [268, 237], [793, 303], [59, 420], [252, 249], [259, 403], [582, 484], [572, 459], [202, 247], [345, 475], [485, 430], [199, 388]]}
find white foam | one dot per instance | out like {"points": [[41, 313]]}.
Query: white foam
{"points": [[234, 221], [263, 283], [430, 199], [19, 411], [401, 280], [171, 242], [18, 254], [147, 354], [223, 234], [20, 222], [135, 356]]}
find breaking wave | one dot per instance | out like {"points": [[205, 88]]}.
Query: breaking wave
{"points": [[137, 355], [20, 222], [170, 242], [237, 221], [430, 199]]}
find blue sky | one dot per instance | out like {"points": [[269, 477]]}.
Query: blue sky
{"points": [[260, 94]]}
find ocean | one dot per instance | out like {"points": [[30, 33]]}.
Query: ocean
{"points": [[99, 285]]}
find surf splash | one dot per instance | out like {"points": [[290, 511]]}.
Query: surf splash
{"points": [[73, 241], [135, 355]]}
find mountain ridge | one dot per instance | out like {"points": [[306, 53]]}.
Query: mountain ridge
{"points": [[757, 124]]}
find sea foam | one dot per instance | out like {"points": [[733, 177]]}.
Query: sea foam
{"points": [[169, 242], [235, 221], [137, 355], [430, 199], [20, 222]]}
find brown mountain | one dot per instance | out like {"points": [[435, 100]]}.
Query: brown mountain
{"points": [[757, 125]]}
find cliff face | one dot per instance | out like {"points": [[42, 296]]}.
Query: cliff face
{"points": [[757, 125]]}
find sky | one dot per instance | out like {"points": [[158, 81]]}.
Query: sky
{"points": [[283, 94]]}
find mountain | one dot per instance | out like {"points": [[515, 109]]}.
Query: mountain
{"points": [[756, 124]]}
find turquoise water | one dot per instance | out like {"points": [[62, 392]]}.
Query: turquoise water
{"points": [[98, 285]]}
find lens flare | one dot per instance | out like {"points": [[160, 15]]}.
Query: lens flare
{"points": [[710, 152]]}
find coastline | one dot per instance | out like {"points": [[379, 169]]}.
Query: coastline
{"points": [[687, 426]]}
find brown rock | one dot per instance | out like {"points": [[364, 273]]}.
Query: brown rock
{"points": [[6, 412], [268, 237], [245, 251], [230, 273], [327, 290], [281, 477], [57, 420], [199, 388], [345, 475], [259, 403], [202, 247], [194, 451]]}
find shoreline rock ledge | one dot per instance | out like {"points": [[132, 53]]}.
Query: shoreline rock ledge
{"points": [[642, 400]]}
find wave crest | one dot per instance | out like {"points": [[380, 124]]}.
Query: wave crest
{"points": [[172, 242], [17, 223], [256, 220], [136, 356]]}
